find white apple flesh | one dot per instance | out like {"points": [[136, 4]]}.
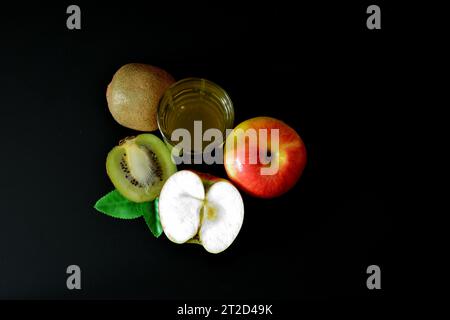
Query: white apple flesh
{"points": [[189, 214], [223, 214], [180, 202]]}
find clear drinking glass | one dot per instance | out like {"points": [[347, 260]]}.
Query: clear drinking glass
{"points": [[191, 100]]}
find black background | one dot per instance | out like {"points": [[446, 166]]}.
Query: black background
{"points": [[316, 67]]}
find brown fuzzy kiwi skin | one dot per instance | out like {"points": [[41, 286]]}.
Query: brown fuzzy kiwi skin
{"points": [[134, 93]]}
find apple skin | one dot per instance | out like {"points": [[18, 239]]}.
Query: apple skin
{"points": [[248, 177], [207, 179]]}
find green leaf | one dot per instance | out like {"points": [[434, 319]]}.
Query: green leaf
{"points": [[151, 217], [116, 206]]}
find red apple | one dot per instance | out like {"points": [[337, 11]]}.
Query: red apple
{"points": [[264, 174]]}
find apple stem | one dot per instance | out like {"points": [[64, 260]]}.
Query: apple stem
{"points": [[194, 240]]}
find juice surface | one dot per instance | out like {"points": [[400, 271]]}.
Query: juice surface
{"points": [[184, 115]]}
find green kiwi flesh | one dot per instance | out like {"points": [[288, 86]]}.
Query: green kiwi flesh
{"points": [[139, 166]]}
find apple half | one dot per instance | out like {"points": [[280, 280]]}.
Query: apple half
{"points": [[199, 208]]}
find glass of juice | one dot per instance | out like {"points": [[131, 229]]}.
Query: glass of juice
{"points": [[196, 105]]}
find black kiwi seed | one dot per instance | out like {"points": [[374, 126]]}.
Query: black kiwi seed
{"points": [[158, 174], [124, 167], [155, 164]]}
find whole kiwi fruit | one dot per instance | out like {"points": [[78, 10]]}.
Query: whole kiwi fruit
{"points": [[134, 93]]}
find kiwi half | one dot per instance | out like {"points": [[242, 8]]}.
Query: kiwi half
{"points": [[139, 166]]}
